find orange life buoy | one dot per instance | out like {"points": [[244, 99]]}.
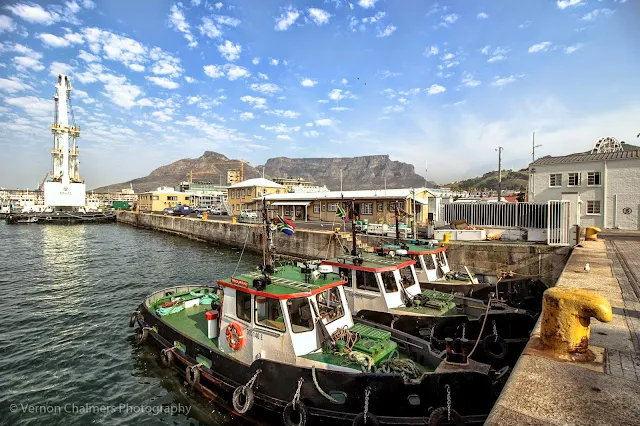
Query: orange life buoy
{"points": [[235, 336]]}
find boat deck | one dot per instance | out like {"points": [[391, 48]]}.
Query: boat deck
{"points": [[192, 323], [333, 359]]}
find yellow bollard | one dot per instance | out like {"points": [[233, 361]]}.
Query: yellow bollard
{"points": [[233, 220], [205, 215], [591, 233], [566, 315], [446, 238]]}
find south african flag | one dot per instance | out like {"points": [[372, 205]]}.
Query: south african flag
{"points": [[286, 226], [341, 213]]}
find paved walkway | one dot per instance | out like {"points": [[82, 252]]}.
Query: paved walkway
{"points": [[544, 391]]}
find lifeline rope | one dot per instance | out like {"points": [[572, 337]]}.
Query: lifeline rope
{"points": [[322, 392], [242, 252]]}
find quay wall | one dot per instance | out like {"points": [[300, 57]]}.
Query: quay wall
{"points": [[304, 243]]}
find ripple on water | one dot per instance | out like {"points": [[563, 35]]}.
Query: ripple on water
{"points": [[68, 293]]}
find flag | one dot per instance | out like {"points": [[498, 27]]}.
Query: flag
{"points": [[341, 213], [286, 226]]}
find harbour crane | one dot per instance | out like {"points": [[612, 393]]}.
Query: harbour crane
{"points": [[40, 185]]}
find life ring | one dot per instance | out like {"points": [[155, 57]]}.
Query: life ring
{"points": [[439, 417], [132, 319], [192, 375], [166, 357], [495, 347], [289, 410], [360, 421], [235, 336], [242, 399], [141, 335]]}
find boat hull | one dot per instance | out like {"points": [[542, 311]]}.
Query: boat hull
{"points": [[61, 218]]}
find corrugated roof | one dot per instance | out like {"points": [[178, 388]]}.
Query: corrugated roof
{"points": [[583, 158], [256, 182], [348, 195]]}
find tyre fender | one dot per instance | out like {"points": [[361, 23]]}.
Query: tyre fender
{"points": [[371, 420], [439, 417], [192, 375], [166, 357], [491, 343], [289, 410], [238, 404], [142, 334]]}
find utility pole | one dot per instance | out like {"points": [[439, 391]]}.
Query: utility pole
{"points": [[499, 173], [425, 173], [534, 146]]}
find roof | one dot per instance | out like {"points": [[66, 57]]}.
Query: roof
{"points": [[586, 157], [392, 194], [256, 182], [371, 262], [288, 282]]}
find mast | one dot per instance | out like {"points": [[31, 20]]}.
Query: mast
{"points": [[397, 228], [268, 267], [352, 216]]}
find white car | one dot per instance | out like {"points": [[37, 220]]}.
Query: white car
{"points": [[249, 214]]}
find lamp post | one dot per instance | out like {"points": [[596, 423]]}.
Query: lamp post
{"points": [[534, 146], [499, 149]]}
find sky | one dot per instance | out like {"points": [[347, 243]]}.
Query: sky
{"points": [[437, 85]]}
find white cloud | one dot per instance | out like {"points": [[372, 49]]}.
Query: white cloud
{"points": [[263, 76], [209, 28], [393, 108], [449, 19], [501, 81], [218, 5], [340, 109], [285, 138], [13, 85], [230, 51], [283, 113], [247, 116], [469, 80], [137, 67], [34, 13], [255, 61], [53, 40], [35, 107], [496, 58], [307, 82], [323, 122], [281, 128], [573, 48], [431, 51], [88, 57], [448, 56], [258, 103], [525, 24], [563, 4], [540, 47], [595, 13], [367, 3], [120, 91], [24, 63], [287, 18], [319, 16], [178, 21], [235, 72], [57, 68], [227, 20], [435, 89], [163, 82], [311, 134], [274, 61], [387, 31], [213, 71], [323, 101], [339, 94], [167, 66], [482, 15], [193, 99], [266, 88], [189, 79], [7, 24]]}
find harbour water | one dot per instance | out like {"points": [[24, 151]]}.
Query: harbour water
{"points": [[68, 356]]}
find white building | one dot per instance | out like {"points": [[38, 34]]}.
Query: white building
{"points": [[603, 184]]}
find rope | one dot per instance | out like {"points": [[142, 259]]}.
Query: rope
{"points": [[484, 321], [350, 339], [405, 367], [322, 392], [242, 252]]}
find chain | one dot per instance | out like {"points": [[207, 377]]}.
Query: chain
{"points": [[495, 330], [252, 380], [448, 388], [464, 330], [367, 392], [296, 396]]}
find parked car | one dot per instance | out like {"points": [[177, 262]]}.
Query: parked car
{"points": [[168, 210], [248, 214], [181, 210], [216, 210]]}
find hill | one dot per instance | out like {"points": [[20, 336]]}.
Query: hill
{"points": [[511, 180]]}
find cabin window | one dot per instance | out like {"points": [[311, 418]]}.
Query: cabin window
{"points": [[418, 264], [406, 277], [316, 208], [441, 259], [330, 305], [366, 281], [300, 315], [269, 314], [428, 261], [243, 306], [389, 282]]}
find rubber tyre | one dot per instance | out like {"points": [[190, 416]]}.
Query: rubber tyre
{"points": [[439, 417], [516, 300], [371, 420], [193, 376], [142, 334], [132, 319], [489, 343], [248, 399], [288, 410], [166, 357]]}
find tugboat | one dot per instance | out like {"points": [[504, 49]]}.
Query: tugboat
{"points": [[280, 341]]}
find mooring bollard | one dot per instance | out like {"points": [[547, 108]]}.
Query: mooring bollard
{"points": [[566, 316]]}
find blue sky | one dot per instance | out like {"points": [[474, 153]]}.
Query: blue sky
{"points": [[442, 84]]}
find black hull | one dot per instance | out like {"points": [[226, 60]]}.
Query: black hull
{"points": [[61, 218], [473, 390]]}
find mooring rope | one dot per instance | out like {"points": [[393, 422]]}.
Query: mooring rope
{"points": [[242, 252]]}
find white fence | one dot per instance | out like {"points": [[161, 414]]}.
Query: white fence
{"points": [[558, 224], [516, 215]]}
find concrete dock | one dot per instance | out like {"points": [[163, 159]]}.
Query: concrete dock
{"points": [[546, 391]]}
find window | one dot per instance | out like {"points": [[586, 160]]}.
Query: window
{"points": [[243, 306], [380, 206], [555, 179], [367, 208], [330, 305], [406, 276], [186, 198], [366, 281], [574, 179], [324, 207], [244, 193], [300, 315], [155, 197], [418, 264], [389, 282], [593, 207], [593, 178], [269, 314], [316, 208], [392, 205], [333, 207], [172, 198], [428, 261], [288, 211]]}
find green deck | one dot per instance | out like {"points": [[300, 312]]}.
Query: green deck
{"points": [[432, 303], [287, 280], [413, 248], [331, 358], [192, 322], [371, 261]]}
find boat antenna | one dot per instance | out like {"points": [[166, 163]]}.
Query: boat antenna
{"points": [[352, 216], [268, 267], [397, 213]]}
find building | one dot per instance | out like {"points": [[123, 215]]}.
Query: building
{"points": [[204, 194], [602, 185], [246, 195], [376, 205], [163, 197], [290, 183]]}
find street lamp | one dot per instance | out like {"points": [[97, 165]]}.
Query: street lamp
{"points": [[499, 149], [534, 146]]}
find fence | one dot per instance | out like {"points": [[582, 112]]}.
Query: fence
{"points": [[497, 214], [558, 223]]}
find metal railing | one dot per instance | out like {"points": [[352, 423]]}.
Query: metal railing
{"points": [[517, 215], [558, 223]]}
